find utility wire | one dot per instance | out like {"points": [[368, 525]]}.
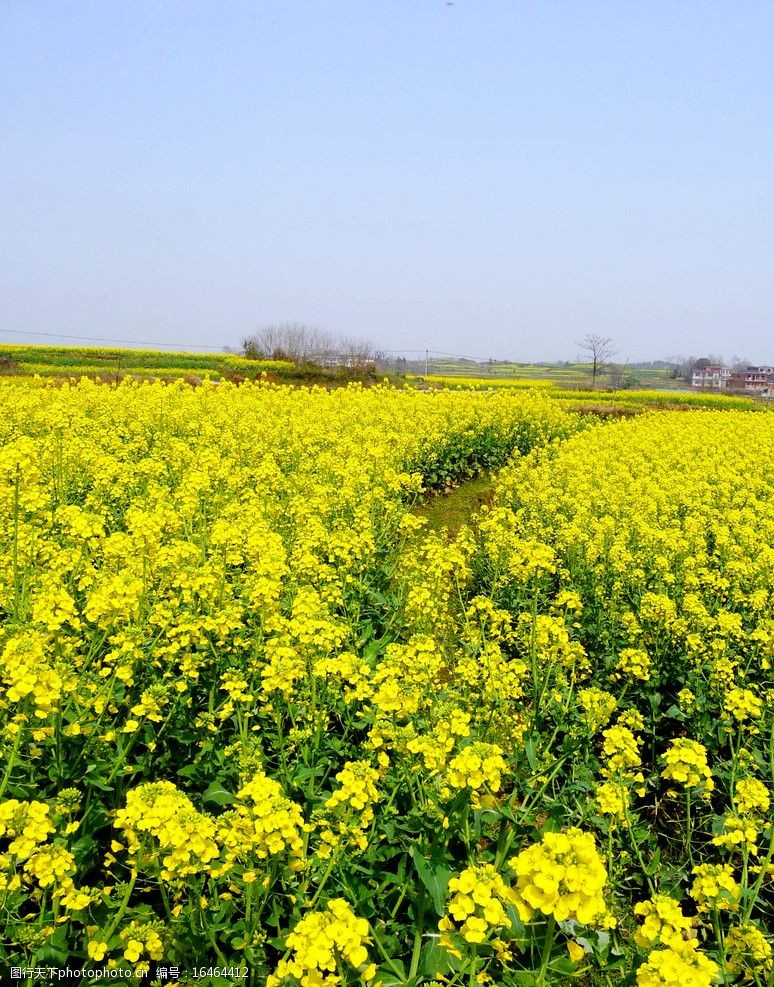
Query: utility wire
{"points": [[456, 356], [202, 346], [105, 339]]}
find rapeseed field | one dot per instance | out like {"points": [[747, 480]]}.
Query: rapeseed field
{"points": [[261, 725]]}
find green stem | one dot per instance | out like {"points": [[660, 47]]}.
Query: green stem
{"points": [[688, 829], [721, 945], [419, 928], [208, 932], [390, 963], [764, 867], [121, 762], [610, 853], [548, 943], [536, 796], [324, 881], [637, 852], [764, 864], [122, 907], [165, 901], [11, 760], [473, 966]]}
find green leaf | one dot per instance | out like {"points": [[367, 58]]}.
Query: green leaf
{"points": [[189, 771], [93, 781], [435, 961], [603, 940], [387, 977], [55, 951], [655, 863], [434, 876], [217, 794], [523, 978], [564, 966]]}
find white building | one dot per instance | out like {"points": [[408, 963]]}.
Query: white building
{"points": [[711, 377]]}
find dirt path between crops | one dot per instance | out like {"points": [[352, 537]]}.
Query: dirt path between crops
{"points": [[456, 507]]}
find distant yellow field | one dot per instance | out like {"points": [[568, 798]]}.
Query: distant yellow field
{"points": [[633, 398], [75, 361], [484, 383]]}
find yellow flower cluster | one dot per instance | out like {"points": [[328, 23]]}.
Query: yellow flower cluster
{"points": [[140, 939], [348, 671], [184, 838], [563, 876], [264, 823], [29, 673], [686, 763], [349, 811], [477, 766], [714, 887], [749, 953], [738, 832], [632, 719], [550, 638], [479, 895], [634, 662], [621, 749], [317, 942], [598, 706], [663, 924], [26, 825], [436, 747], [404, 678], [51, 864], [358, 786], [677, 968], [742, 705], [613, 799], [751, 797]]}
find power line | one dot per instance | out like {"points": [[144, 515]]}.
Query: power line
{"points": [[204, 346], [105, 339], [456, 356], [459, 356]]}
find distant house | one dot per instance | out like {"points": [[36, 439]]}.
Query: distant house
{"points": [[352, 361], [752, 379], [357, 362], [710, 377]]}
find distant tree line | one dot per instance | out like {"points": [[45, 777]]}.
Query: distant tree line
{"points": [[301, 344], [305, 344]]}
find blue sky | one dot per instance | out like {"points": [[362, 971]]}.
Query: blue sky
{"points": [[487, 178]]}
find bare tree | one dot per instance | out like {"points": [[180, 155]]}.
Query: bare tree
{"points": [[301, 343], [292, 341], [622, 377], [357, 354], [599, 349]]}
